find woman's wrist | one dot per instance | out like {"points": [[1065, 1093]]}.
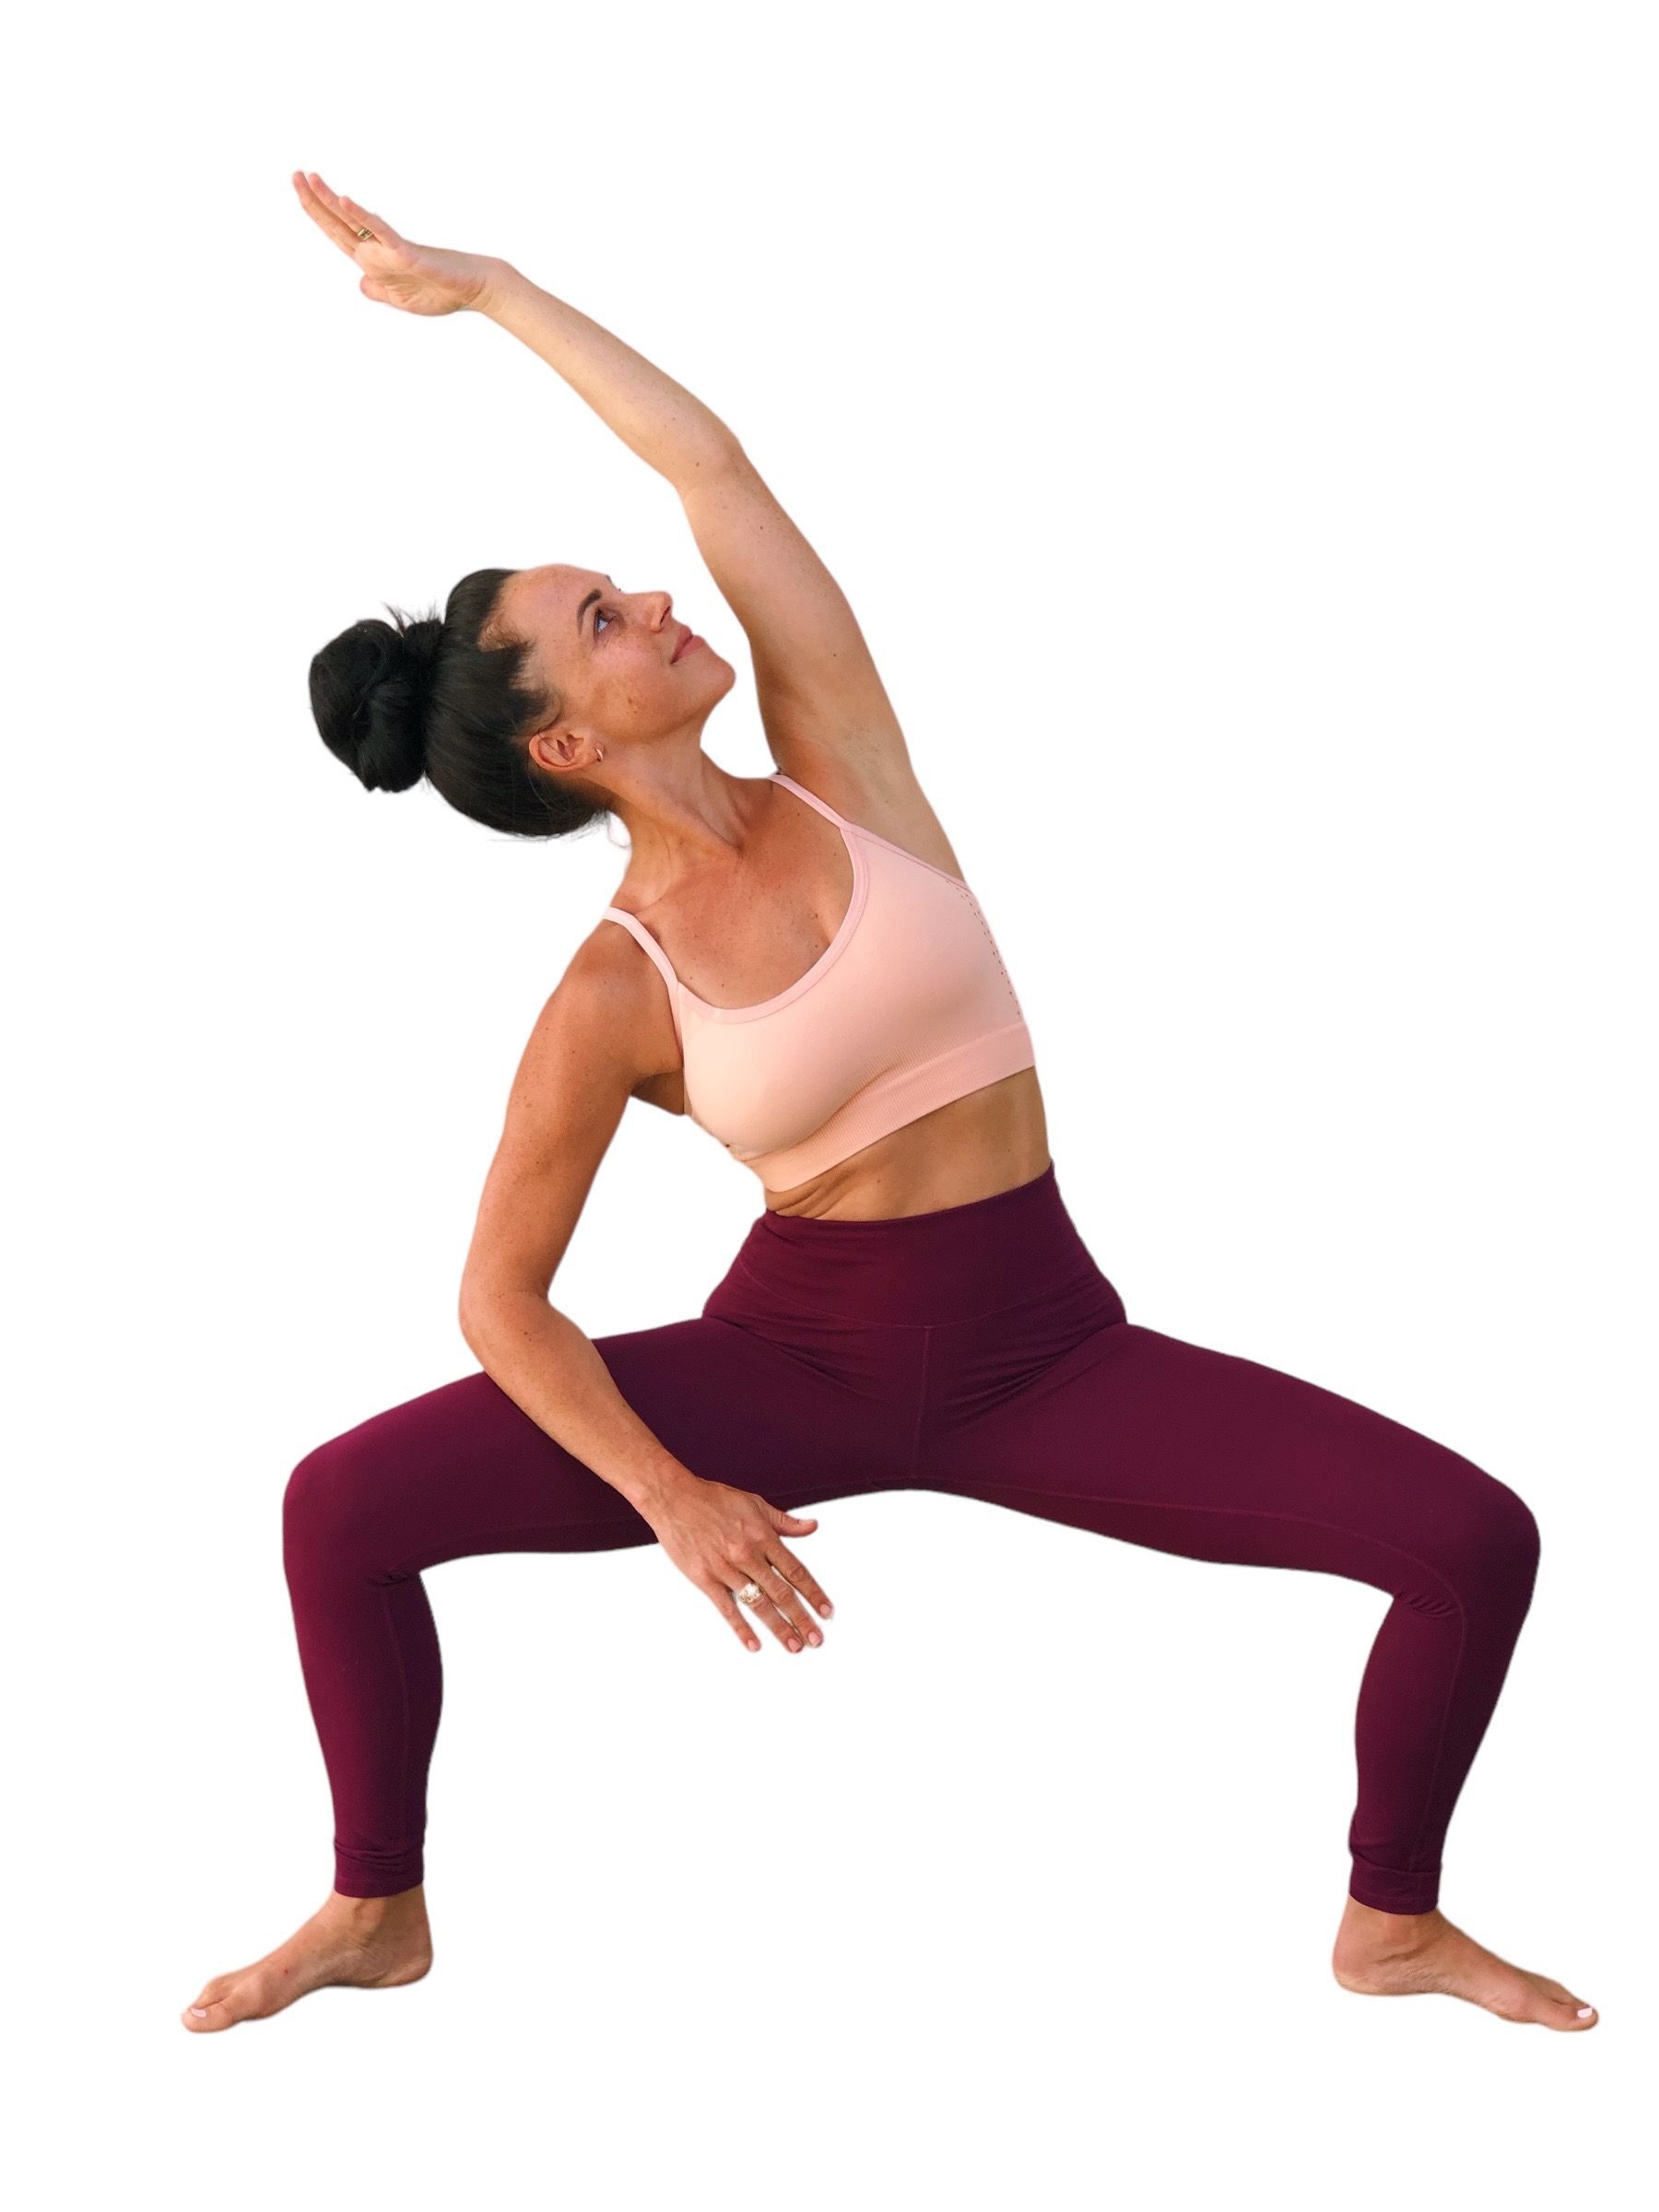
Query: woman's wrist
{"points": [[501, 281], [658, 1489]]}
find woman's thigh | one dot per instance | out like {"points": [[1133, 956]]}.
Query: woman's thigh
{"points": [[462, 1469], [1143, 1437]]}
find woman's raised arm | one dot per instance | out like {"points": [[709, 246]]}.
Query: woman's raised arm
{"points": [[825, 711], [656, 418]]}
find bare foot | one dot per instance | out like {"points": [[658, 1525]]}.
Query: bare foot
{"points": [[358, 1942], [1413, 1953]]}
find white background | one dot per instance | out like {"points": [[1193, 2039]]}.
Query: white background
{"points": [[1234, 428]]}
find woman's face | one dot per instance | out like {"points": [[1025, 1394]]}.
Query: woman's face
{"points": [[610, 656]]}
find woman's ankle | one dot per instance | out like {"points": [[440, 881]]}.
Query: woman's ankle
{"points": [[1392, 1930], [369, 1910]]}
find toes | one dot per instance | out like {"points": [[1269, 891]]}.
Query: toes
{"points": [[1560, 1991], [199, 2011], [227, 1999], [1565, 2008]]}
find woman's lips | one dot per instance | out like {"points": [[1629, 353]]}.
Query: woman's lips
{"points": [[692, 641]]}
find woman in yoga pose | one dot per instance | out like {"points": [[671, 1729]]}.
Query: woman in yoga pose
{"points": [[795, 963]]}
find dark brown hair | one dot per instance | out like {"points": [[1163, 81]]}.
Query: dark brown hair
{"points": [[448, 698]]}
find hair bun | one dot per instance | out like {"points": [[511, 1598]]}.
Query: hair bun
{"points": [[369, 687], [421, 639]]}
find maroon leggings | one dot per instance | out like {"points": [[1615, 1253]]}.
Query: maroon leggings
{"points": [[977, 1349]]}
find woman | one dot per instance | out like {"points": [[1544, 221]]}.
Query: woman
{"points": [[796, 963]]}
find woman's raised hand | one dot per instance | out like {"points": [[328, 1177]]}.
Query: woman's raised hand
{"points": [[423, 280], [722, 1538]]}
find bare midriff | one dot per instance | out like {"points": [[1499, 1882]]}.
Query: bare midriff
{"points": [[991, 1140]]}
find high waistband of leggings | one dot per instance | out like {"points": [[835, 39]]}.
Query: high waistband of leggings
{"points": [[957, 1262]]}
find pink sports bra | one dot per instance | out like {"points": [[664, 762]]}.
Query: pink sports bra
{"points": [[908, 1007]]}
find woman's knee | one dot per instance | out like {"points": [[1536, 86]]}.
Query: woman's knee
{"points": [[1509, 1529], [1520, 1530], [325, 1503], [1488, 1538]]}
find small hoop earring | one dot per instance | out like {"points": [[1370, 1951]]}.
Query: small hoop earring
{"points": [[598, 752]]}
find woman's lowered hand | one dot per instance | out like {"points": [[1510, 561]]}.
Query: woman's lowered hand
{"points": [[724, 1539]]}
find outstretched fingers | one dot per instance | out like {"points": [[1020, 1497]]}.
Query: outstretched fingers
{"points": [[361, 217], [340, 218], [332, 226]]}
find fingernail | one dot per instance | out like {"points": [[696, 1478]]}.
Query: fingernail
{"points": [[826, 1610], [1584, 2011], [200, 2011], [813, 1636]]}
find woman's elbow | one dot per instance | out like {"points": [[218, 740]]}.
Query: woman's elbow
{"points": [[472, 1312], [484, 1301]]}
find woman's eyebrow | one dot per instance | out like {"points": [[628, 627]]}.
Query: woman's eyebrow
{"points": [[589, 601]]}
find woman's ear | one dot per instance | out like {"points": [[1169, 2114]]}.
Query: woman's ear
{"points": [[562, 749]]}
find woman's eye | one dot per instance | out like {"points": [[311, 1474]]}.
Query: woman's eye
{"points": [[599, 615]]}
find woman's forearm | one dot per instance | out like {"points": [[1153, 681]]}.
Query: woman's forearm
{"points": [[551, 1371], [660, 420]]}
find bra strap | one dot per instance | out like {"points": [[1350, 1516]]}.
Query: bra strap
{"points": [[812, 799], [642, 936]]}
